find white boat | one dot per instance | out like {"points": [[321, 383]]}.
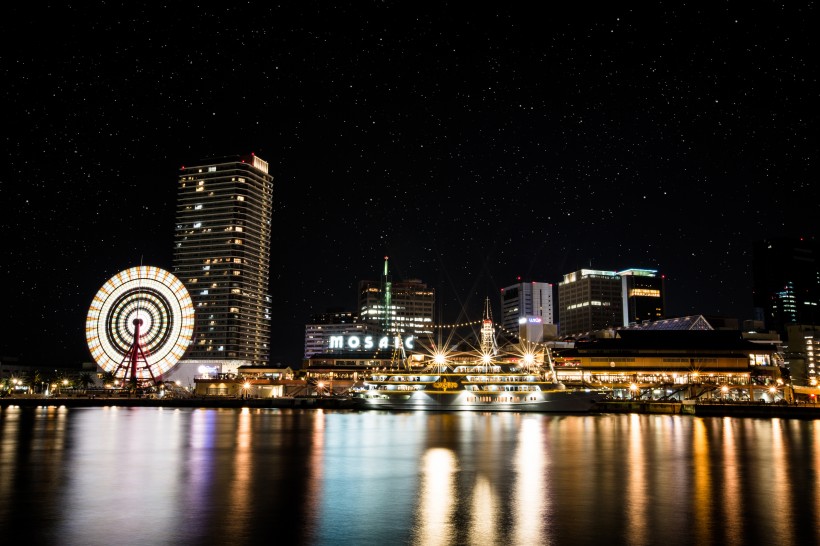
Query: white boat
{"points": [[474, 388], [521, 380]]}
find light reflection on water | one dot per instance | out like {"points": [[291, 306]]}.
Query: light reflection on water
{"points": [[205, 476]]}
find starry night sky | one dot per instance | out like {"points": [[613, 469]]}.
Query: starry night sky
{"points": [[470, 145]]}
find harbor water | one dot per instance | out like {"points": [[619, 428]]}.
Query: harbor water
{"points": [[120, 475]]}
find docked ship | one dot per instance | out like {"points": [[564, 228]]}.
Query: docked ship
{"points": [[522, 379]]}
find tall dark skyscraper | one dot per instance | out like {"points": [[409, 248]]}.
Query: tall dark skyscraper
{"points": [[222, 255], [786, 282], [643, 295]]}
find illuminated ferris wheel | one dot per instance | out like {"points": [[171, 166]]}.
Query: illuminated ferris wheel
{"points": [[140, 323]]}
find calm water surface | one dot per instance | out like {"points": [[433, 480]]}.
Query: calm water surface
{"points": [[205, 476]]}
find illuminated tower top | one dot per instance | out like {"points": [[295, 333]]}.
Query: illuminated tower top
{"points": [[388, 296], [488, 344]]}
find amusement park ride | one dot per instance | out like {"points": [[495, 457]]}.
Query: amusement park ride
{"points": [[139, 325]]}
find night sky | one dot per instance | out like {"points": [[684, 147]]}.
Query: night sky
{"points": [[470, 145]]}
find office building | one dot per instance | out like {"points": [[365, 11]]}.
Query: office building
{"points": [[642, 293], [527, 310], [402, 307], [786, 282], [803, 353], [222, 255], [588, 300]]}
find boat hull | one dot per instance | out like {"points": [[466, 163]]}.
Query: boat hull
{"points": [[559, 401]]}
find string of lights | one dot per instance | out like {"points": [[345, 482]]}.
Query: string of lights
{"points": [[458, 325], [499, 326]]}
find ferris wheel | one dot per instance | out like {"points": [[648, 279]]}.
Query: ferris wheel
{"points": [[140, 323]]}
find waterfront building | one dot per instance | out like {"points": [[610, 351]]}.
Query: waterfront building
{"points": [[786, 275], [642, 293], [802, 353], [324, 328], [589, 299], [222, 255], [674, 364], [402, 307], [527, 310], [250, 382], [330, 373]]}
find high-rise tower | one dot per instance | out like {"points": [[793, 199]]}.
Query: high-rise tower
{"points": [[642, 291], [222, 255], [527, 308], [397, 306], [589, 300]]}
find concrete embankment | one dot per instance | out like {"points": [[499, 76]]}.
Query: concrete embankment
{"points": [[306, 402], [710, 409], [700, 409], [637, 406]]}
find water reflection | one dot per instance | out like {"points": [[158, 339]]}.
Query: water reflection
{"points": [[702, 482], [732, 492], [637, 494], [203, 476], [437, 500], [484, 512], [530, 504]]}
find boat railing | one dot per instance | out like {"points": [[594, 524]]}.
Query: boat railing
{"points": [[506, 388], [501, 379]]}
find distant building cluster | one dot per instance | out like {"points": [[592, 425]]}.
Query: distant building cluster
{"points": [[222, 255], [591, 304]]}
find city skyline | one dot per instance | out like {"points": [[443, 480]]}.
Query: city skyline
{"points": [[471, 148]]}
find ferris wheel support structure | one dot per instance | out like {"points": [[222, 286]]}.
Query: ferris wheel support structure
{"points": [[134, 355]]}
